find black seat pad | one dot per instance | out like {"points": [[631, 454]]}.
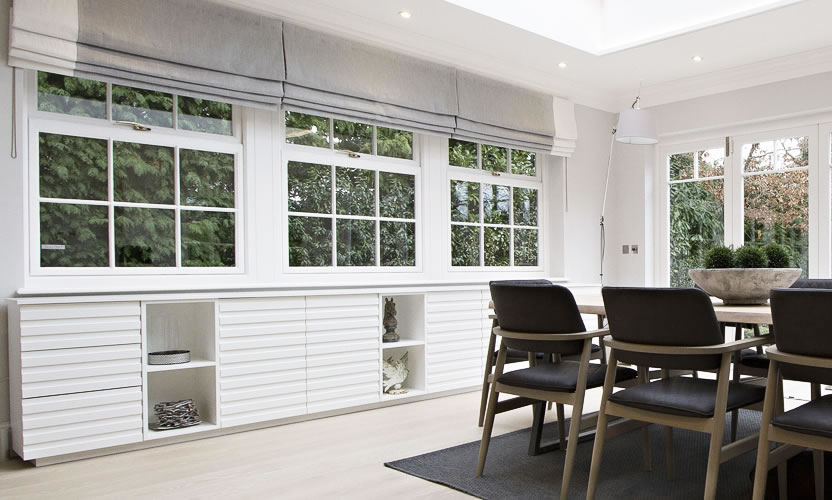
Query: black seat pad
{"points": [[687, 397], [750, 357], [561, 377], [815, 417], [516, 355]]}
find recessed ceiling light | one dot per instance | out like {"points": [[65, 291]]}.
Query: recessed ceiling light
{"points": [[561, 65], [405, 14], [697, 58]]}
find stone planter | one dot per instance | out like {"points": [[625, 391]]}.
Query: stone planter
{"points": [[737, 286]]}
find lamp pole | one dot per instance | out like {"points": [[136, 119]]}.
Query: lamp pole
{"points": [[604, 203]]}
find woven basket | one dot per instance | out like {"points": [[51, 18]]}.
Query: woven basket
{"points": [[168, 357]]}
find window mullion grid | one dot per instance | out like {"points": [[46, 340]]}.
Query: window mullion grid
{"points": [[108, 106], [177, 219], [175, 117], [111, 211], [479, 156], [511, 222], [378, 209], [334, 208], [331, 123], [482, 224], [508, 160], [374, 145]]}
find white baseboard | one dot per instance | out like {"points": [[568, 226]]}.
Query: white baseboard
{"points": [[5, 441]]}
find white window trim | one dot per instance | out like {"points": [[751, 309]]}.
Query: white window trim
{"points": [[99, 128], [364, 161]]}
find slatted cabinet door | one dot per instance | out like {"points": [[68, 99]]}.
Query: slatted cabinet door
{"points": [[262, 359], [455, 339], [343, 355]]}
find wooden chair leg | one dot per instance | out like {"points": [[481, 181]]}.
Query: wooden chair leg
{"points": [[668, 450], [735, 414], [783, 481], [715, 449], [601, 429], [761, 469], [489, 364], [561, 426], [575, 423], [492, 410], [817, 462], [643, 373]]}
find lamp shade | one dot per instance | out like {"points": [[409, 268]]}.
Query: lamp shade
{"points": [[636, 126]]}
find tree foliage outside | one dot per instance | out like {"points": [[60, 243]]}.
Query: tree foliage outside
{"points": [[494, 158], [353, 136], [76, 168], [523, 162], [311, 130], [462, 153], [306, 130]]}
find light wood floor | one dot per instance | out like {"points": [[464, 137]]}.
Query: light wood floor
{"points": [[336, 457]]}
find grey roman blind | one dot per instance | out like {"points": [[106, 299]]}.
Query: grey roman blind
{"points": [[349, 79], [191, 47]]}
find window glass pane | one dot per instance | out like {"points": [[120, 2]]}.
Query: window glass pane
{"points": [[465, 201], [792, 152], [711, 162], [681, 166], [310, 241], [525, 206], [147, 107], [758, 157], [497, 241], [394, 143], [525, 247], [397, 195], [398, 243], [495, 204], [310, 188], [465, 245], [72, 96], [74, 235], [202, 115], [307, 130], [143, 173], [72, 167], [355, 191], [494, 158], [145, 237], [777, 209], [353, 136], [522, 162], [206, 179], [356, 240], [462, 153], [696, 226], [207, 239]]}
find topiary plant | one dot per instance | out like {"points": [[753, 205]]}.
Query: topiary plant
{"points": [[750, 256], [778, 255], [719, 258]]}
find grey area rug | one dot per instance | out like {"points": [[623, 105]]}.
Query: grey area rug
{"points": [[511, 473]]}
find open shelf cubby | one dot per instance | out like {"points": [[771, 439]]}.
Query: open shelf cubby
{"points": [[182, 325], [410, 313], [415, 382], [198, 384]]}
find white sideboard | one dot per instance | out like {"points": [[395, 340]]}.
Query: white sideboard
{"points": [[80, 381]]}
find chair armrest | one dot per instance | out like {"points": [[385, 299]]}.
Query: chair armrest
{"points": [[797, 359], [491, 304], [492, 316], [551, 337], [690, 350]]}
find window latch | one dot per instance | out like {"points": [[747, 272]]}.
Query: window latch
{"points": [[495, 174], [351, 154], [136, 126]]}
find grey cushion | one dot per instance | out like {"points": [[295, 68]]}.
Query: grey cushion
{"points": [[815, 417], [562, 377], [684, 396], [750, 357]]}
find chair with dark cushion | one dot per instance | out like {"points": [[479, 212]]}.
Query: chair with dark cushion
{"points": [[672, 328], [802, 319], [544, 318]]}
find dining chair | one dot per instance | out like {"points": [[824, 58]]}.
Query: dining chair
{"points": [[803, 352], [544, 318], [673, 329], [514, 356]]}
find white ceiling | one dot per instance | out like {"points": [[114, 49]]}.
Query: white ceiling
{"points": [[789, 41]]}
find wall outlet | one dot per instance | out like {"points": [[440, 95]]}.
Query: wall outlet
{"points": [[625, 249], [634, 249]]}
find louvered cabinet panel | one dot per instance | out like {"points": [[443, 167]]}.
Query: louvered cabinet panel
{"points": [[343, 352], [486, 323], [64, 371], [262, 359], [454, 348], [62, 326], [57, 425]]}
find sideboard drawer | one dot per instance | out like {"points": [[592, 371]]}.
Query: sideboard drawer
{"points": [[64, 371], [57, 425], [61, 326]]}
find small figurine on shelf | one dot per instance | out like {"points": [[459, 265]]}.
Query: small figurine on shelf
{"points": [[389, 322], [395, 373]]}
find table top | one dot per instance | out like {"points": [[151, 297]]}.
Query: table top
{"points": [[760, 315]]}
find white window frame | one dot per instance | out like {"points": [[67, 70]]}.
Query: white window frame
{"points": [[363, 161], [106, 129], [480, 176]]}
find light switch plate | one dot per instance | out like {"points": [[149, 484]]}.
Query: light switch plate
{"points": [[634, 249], [625, 249]]}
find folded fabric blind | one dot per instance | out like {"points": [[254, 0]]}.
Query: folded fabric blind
{"points": [[190, 47], [354, 80]]}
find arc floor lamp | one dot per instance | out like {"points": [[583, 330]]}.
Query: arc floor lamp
{"points": [[635, 126]]}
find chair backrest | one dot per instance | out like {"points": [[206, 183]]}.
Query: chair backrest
{"points": [[821, 284], [663, 316], [536, 306], [803, 321]]}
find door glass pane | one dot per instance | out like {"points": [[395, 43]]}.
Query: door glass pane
{"points": [[310, 241], [792, 152], [495, 203], [206, 179], [72, 167], [711, 162], [356, 242], [681, 166], [397, 195], [202, 115], [145, 237], [462, 153], [465, 201], [465, 245], [777, 210], [494, 158], [353, 136], [310, 187], [355, 191], [74, 235], [525, 247], [398, 243], [394, 143], [147, 107], [71, 96], [696, 225], [143, 173], [307, 130], [758, 156], [207, 239], [497, 241]]}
